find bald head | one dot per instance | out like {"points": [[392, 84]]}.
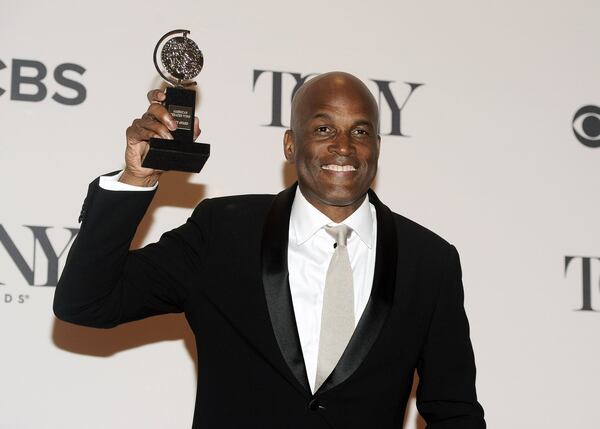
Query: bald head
{"points": [[325, 87]]}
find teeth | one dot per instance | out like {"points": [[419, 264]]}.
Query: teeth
{"points": [[335, 167]]}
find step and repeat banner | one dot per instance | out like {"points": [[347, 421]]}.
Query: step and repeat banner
{"points": [[490, 125]]}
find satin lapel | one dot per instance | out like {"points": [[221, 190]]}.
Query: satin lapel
{"points": [[380, 301], [276, 284]]}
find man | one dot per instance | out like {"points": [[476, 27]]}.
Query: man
{"points": [[312, 307]]}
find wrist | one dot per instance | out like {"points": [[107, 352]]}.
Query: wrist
{"points": [[131, 178]]}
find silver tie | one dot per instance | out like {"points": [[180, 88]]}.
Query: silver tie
{"points": [[337, 317]]}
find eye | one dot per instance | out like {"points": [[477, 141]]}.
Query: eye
{"points": [[360, 132], [323, 130]]}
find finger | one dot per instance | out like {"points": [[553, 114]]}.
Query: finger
{"points": [[148, 115], [197, 129], [144, 129], [159, 129], [156, 96], [136, 134], [161, 114], [149, 121]]}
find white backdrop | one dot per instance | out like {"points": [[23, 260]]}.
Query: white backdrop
{"points": [[492, 164]]}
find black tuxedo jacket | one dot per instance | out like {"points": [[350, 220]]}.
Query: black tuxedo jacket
{"points": [[226, 269]]}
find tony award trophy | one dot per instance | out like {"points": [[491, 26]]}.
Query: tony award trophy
{"points": [[182, 60]]}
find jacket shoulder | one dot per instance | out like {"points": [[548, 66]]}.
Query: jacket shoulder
{"points": [[419, 237], [243, 208], [237, 202]]}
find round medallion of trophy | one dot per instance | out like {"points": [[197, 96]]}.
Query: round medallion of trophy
{"points": [[180, 62], [180, 57]]}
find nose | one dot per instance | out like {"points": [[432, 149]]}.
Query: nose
{"points": [[342, 145]]}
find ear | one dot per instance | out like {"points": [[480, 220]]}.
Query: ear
{"points": [[289, 146]]}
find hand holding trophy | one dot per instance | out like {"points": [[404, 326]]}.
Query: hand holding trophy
{"points": [[181, 61]]}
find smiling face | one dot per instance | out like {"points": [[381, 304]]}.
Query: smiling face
{"points": [[334, 142]]}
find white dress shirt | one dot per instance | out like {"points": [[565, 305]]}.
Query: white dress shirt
{"points": [[310, 249], [111, 183]]}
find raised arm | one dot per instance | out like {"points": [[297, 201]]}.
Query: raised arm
{"points": [[103, 282]]}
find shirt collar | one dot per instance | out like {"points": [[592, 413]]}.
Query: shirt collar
{"points": [[307, 220]]}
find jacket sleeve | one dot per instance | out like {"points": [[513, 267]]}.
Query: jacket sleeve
{"points": [[446, 395], [104, 284]]}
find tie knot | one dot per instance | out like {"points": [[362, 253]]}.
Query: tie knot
{"points": [[339, 233]]}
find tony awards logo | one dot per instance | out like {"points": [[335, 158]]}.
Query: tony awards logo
{"points": [[181, 61]]}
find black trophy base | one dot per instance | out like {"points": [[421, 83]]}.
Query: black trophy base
{"points": [[176, 155]]}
